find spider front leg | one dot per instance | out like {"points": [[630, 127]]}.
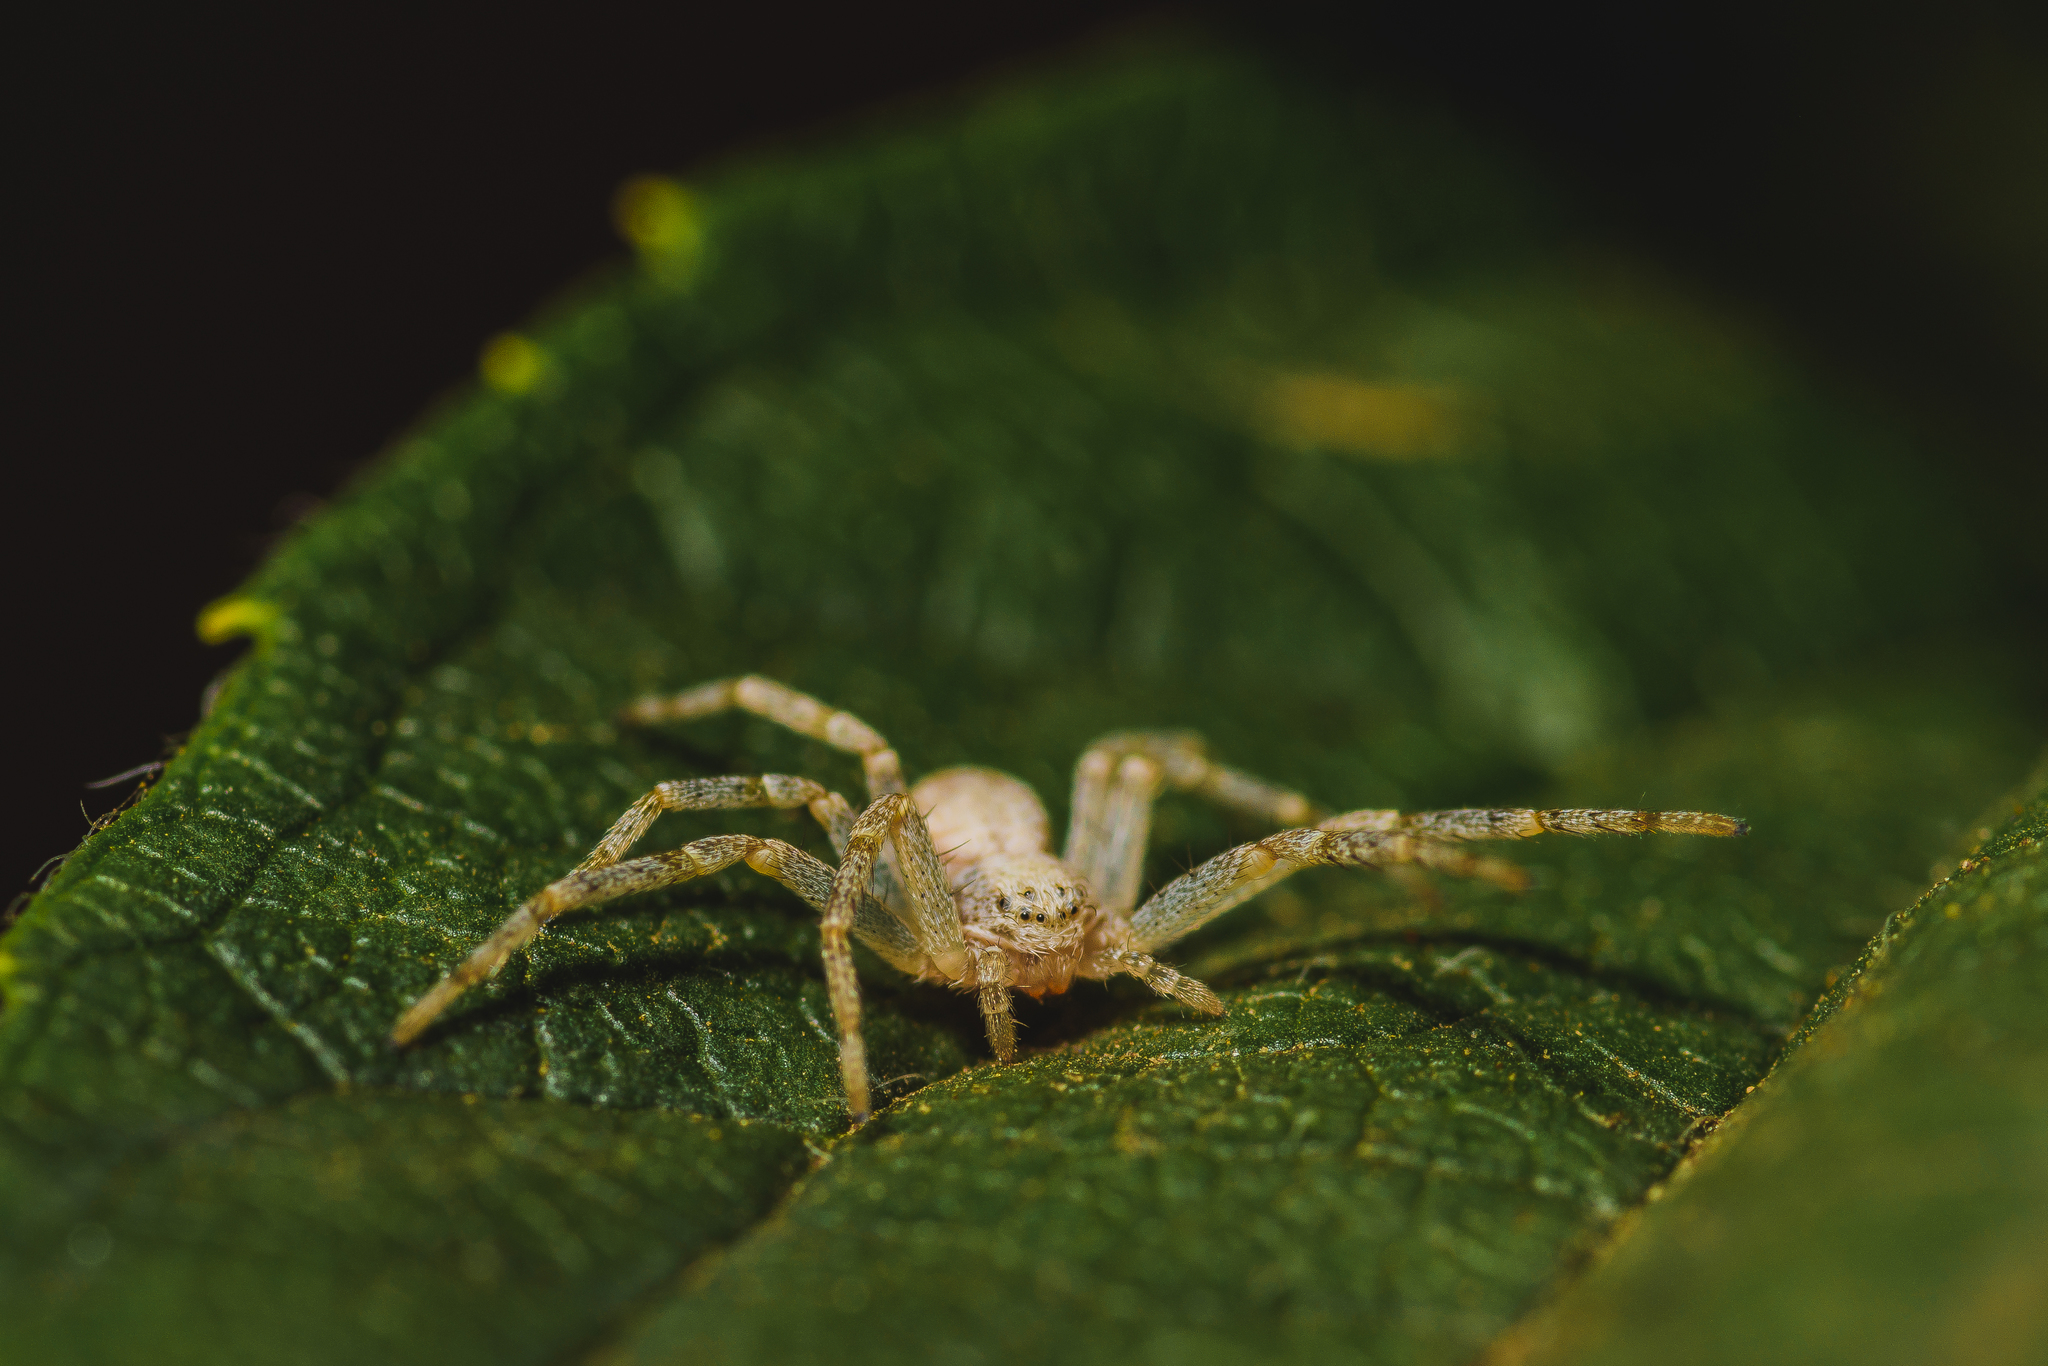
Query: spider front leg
{"points": [[932, 920], [1359, 839], [601, 877], [1385, 839]]}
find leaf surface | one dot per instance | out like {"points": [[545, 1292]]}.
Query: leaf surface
{"points": [[1928, 1071], [1160, 393]]}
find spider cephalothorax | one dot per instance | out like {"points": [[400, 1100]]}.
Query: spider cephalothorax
{"points": [[1029, 903], [970, 894], [1009, 889]]}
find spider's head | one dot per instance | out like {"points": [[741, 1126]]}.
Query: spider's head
{"points": [[1033, 900]]}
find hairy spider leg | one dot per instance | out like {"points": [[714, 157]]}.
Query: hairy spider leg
{"points": [[591, 887], [808, 717], [777, 790], [933, 921], [785, 706], [1115, 784], [1383, 839], [1515, 823], [601, 877]]}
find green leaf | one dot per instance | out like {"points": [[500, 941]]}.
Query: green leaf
{"points": [[316, 1214], [1163, 392], [1882, 1199], [1405, 1123]]}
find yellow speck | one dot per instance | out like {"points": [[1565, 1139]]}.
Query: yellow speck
{"points": [[662, 219], [512, 364], [230, 617], [1358, 417], [1952, 910]]}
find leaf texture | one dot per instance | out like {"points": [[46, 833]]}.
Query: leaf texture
{"points": [[1882, 1199]]}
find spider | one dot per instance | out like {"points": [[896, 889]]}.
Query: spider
{"points": [[973, 897]]}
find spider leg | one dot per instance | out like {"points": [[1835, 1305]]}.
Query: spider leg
{"points": [[1384, 839], [787, 864], [777, 790], [785, 706], [1516, 823], [932, 920], [805, 715], [601, 877], [1121, 775]]}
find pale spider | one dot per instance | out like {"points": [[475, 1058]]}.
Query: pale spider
{"points": [[974, 898]]}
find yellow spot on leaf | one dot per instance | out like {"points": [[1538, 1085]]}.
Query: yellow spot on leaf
{"points": [[1356, 417], [512, 364], [230, 617], [662, 219]]}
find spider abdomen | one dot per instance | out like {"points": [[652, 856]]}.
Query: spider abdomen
{"points": [[976, 814]]}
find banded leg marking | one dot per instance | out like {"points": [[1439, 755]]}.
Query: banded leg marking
{"points": [[934, 923], [785, 706], [785, 863], [1386, 839]]}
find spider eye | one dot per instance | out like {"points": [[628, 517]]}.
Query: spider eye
{"points": [[1002, 903], [1041, 917]]}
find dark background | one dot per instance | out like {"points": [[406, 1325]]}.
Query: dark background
{"points": [[247, 250]]}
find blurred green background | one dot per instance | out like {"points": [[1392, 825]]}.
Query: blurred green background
{"points": [[256, 247]]}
